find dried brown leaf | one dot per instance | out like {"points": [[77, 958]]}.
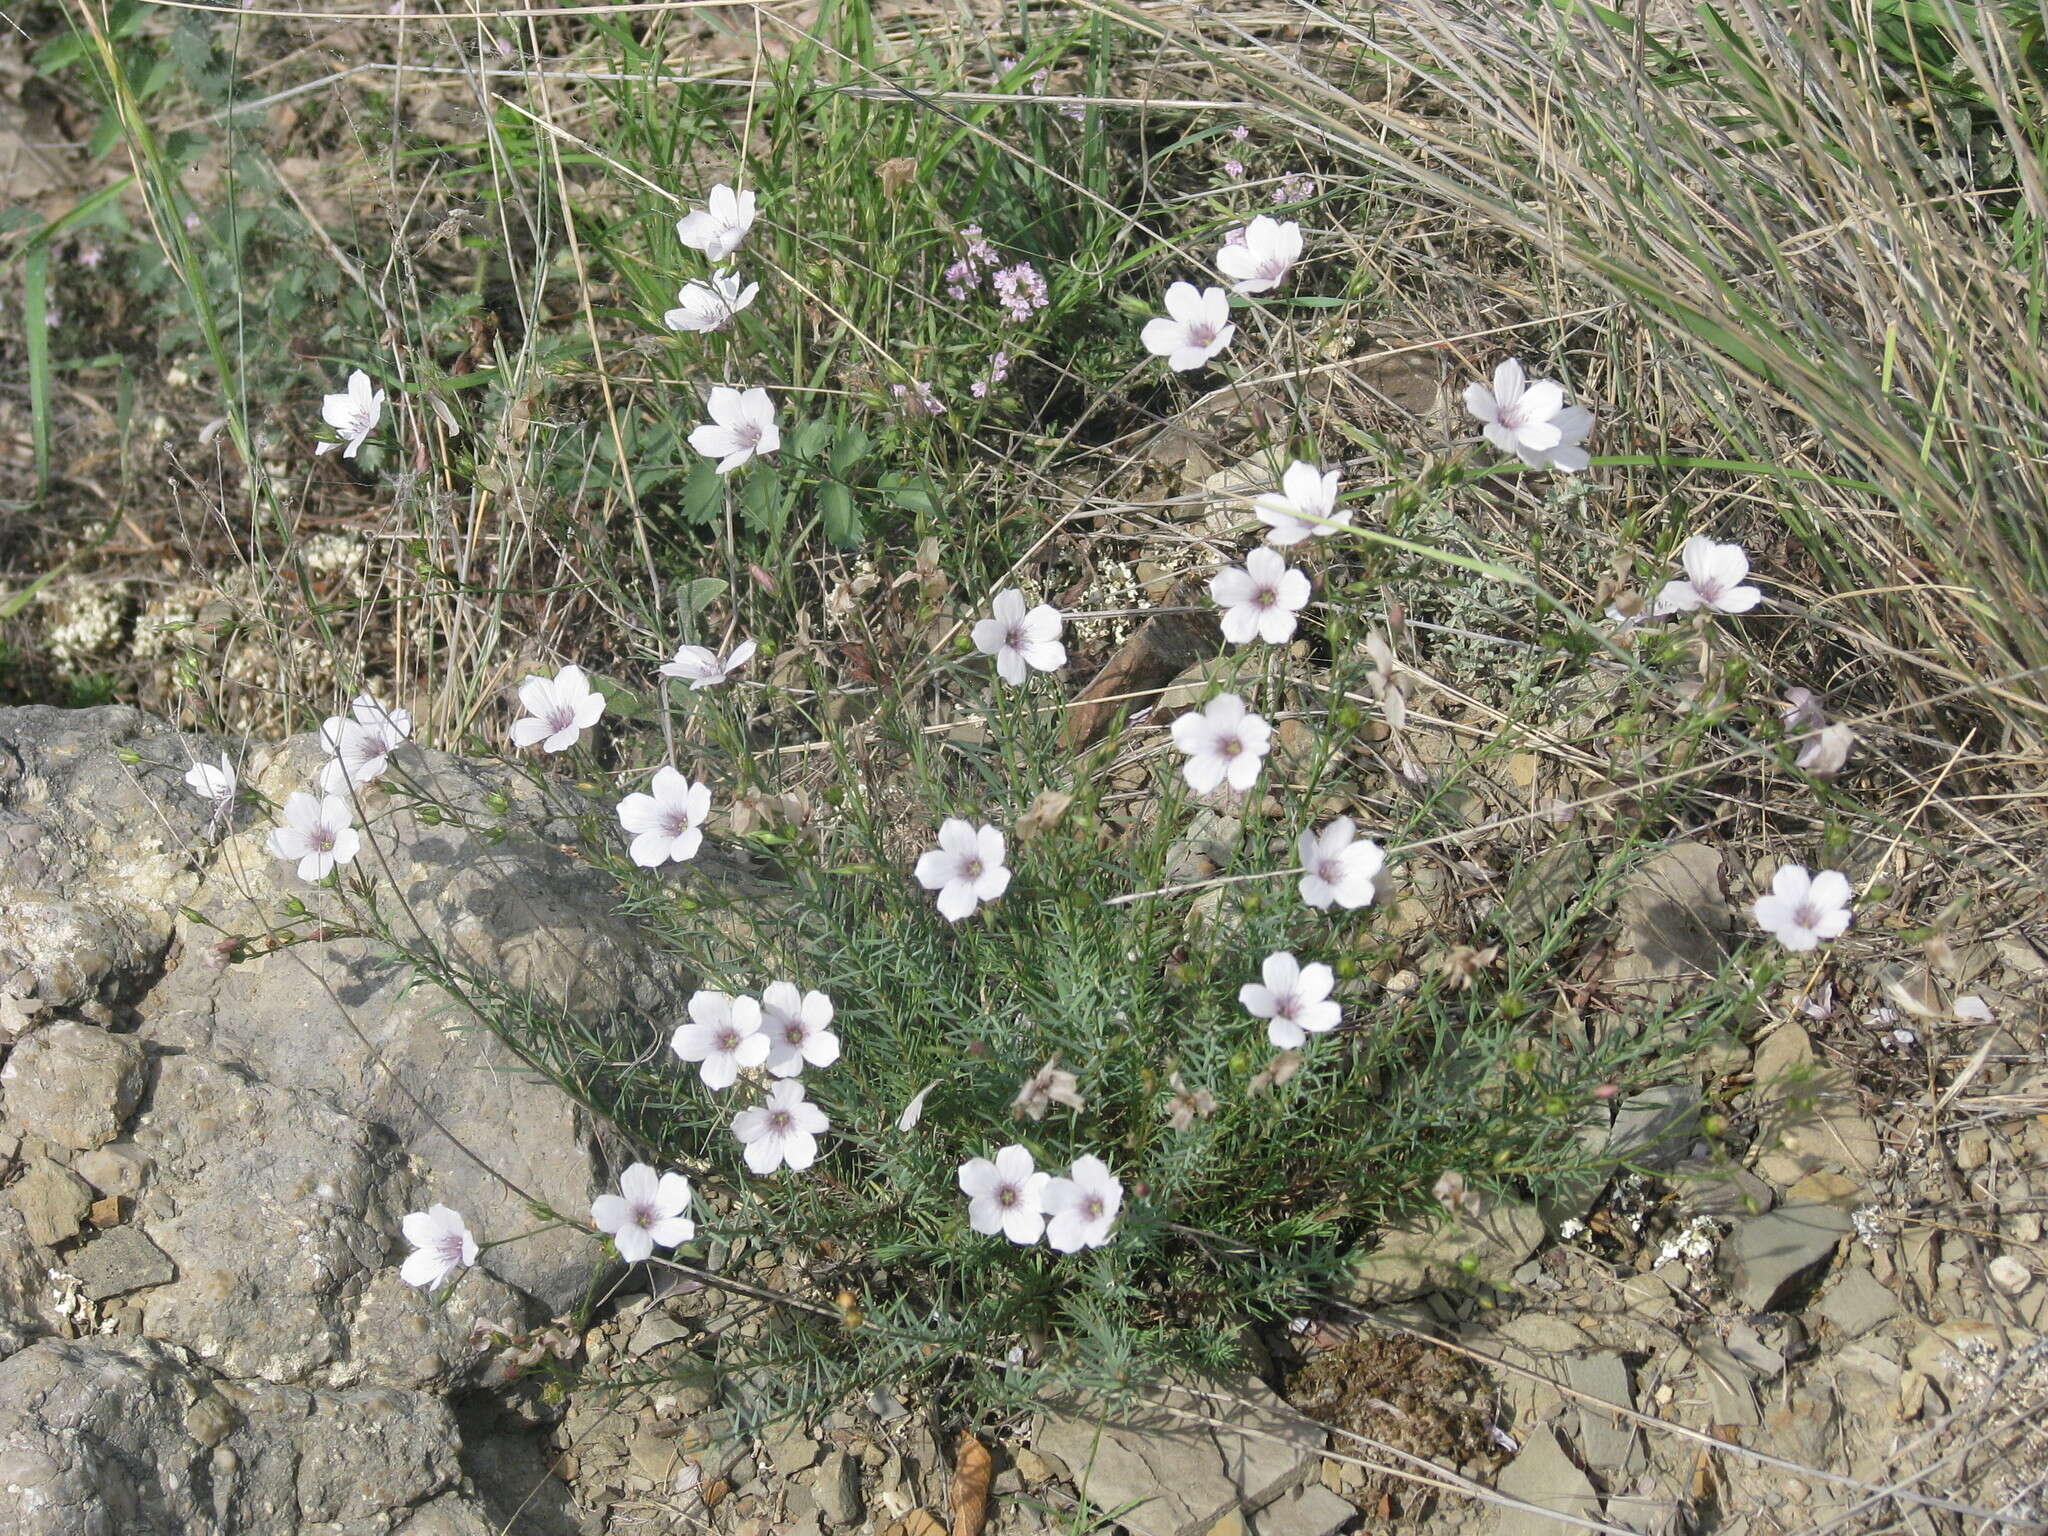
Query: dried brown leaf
{"points": [[973, 1472]]}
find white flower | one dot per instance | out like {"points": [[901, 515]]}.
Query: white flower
{"points": [[966, 868], [718, 229], [702, 306], [441, 1244], [704, 668], [913, 1112], [1081, 1208], [1338, 866], [783, 1129], [1003, 1195], [1714, 575], [1018, 639], [742, 424], [360, 748], [798, 1028], [667, 824], [1294, 1001], [1531, 421], [1305, 493], [1804, 909], [209, 782], [1260, 598], [319, 833], [353, 413], [1198, 328], [646, 1213], [1225, 742], [723, 1035], [558, 710], [1260, 260], [1826, 752]]}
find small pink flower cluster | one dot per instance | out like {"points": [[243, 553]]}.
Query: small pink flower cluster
{"points": [[998, 370], [1020, 290], [918, 398]]}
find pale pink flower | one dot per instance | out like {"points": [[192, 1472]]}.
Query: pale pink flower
{"points": [[1338, 866], [1225, 743], [1305, 507], [1003, 1195], [1261, 259], [361, 744], [966, 868], [1019, 640], [441, 1244], [1260, 598], [667, 824], [1802, 910], [784, 1128], [702, 667], [319, 833], [1048, 1086], [647, 1213], [1294, 1000], [723, 1037], [217, 784], [742, 425], [718, 228], [1713, 580], [1531, 421], [353, 414], [1195, 328], [702, 306], [1081, 1208], [798, 1028], [559, 710]]}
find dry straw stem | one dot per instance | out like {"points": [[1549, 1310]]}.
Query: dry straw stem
{"points": [[1799, 255]]}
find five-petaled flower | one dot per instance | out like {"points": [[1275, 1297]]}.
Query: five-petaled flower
{"points": [[667, 824], [441, 1244], [318, 832], [1225, 743], [1260, 598], [1531, 421], [1260, 260], [1294, 1000], [798, 1028], [1305, 506], [559, 709], [742, 425], [1802, 909], [783, 1128], [723, 1036], [701, 667], [353, 414], [966, 868], [648, 1212], [215, 782], [1020, 640], [360, 744], [1713, 579], [702, 306], [1338, 866], [1081, 1208], [718, 228], [1195, 327], [1003, 1195]]}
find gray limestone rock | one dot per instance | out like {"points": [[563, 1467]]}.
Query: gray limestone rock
{"points": [[837, 1485], [119, 1262], [1609, 1443], [1858, 1302], [1443, 1252], [1769, 1255], [1545, 1476], [1675, 922], [1655, 1128], [94, 1438], [72, 1084], [1182, 1467], [53, 1202], [1310, 1510]]}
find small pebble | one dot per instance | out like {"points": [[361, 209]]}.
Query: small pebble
{"points": [[2010, 1275]]}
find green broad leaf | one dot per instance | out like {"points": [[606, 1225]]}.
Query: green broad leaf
{"points": [[761, 503], [848, 449], [838, 515], [700, 594], [811, 439], [704, 495], [620, 700]]}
